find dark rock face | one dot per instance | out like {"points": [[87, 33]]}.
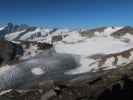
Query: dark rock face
{"points": [[82, 92], [41, 46], [9, 51], [15, 95], [44, 46], [57, 38], [118, 92]]}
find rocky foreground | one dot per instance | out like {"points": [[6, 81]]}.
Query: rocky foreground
{"points": [[107, 85]]}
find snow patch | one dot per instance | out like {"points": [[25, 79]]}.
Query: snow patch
{"points": [[73, 37], [128, 36], [131, 57], [2, 27], [37, 71], [109, 61], [6, 68], [108, 31], [84, 62], [122, 60]]}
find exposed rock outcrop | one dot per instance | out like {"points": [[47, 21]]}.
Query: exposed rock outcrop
{"points": [[9, 52]]}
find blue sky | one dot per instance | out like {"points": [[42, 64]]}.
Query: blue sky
{"points": [[67, 13]]}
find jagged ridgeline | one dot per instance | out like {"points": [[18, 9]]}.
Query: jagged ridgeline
{"points": [[15, 32]]}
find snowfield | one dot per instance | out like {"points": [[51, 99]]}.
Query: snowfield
{"points": [[100, 44], [81, 47], [104, 45]]}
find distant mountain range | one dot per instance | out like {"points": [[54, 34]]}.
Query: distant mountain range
{"points": [[25, 32]]}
